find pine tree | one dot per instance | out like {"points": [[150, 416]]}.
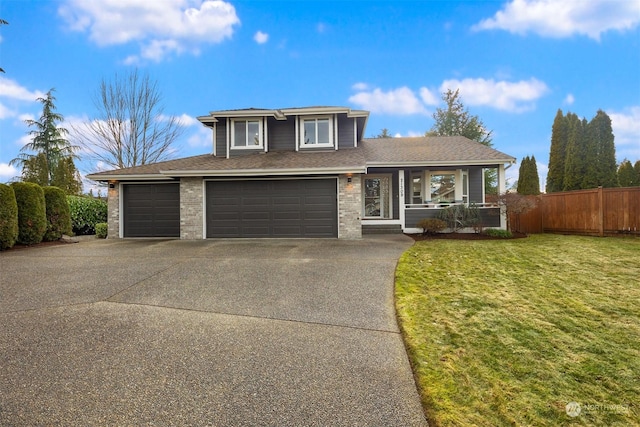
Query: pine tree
{"points": [[66, 177], [528, 178], [49, 149], [636, 167], [557, 153], [574, 159], [456, 120], [606, 168], [627, 176]]}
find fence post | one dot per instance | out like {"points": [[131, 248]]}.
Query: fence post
{"points": [[600, 212]]}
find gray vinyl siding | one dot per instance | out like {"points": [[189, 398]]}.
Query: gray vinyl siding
{"points": [[490, 217], [475, 184], [412, 216], [345, 131], [281, 134], [221, 138]]}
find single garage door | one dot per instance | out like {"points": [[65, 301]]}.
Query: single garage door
{"points": [[272, 208], [151, 210]]}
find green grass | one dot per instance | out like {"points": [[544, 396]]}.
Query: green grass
{"points": [[509, 332]]}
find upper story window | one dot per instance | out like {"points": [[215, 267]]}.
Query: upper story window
{"points": [[246, 133], [316, 132]]}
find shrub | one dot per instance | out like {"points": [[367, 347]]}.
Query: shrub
{"points": [[58, 214], [431, 225], [86, 212], [32, 216], [496, 232], [102, 230], [8, 217]]}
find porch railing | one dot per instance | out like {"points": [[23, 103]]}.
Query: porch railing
{"points": [[446, 205]]}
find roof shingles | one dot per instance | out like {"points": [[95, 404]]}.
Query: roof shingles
{"points": [[371, 152]]}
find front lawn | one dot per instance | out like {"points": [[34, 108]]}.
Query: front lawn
{"points": [[510, 332]]}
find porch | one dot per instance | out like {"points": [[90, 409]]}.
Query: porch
{"points": [[395, 200]]}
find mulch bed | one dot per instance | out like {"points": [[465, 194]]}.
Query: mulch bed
{"points": [[463, 236]]}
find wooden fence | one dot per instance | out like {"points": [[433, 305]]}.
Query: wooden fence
{"points": [[597, 212]]}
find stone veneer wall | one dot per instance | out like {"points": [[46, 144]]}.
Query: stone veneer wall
{"points": [[191, 208], [349, 207], [113, 211]]}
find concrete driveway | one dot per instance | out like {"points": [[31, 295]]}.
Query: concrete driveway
{"points": [[215, 332]]}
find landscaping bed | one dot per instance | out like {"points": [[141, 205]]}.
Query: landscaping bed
{"points": [[463, 236]]}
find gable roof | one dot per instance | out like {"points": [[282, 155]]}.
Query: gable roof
{"points": [[383, 152]]}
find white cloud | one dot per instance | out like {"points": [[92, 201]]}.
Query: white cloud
{"points": [[562, 18], [11, 89], [8, 171], [513, 97], [569, 99], [429, 97], [401, 101], [6, 112], [626, 129], [161, 28], [360, 86], [260, 37]]}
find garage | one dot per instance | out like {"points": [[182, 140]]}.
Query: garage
{"points": [[272, 208], [151, 210]]}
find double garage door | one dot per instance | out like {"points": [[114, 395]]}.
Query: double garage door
{"points": [[248, 208], [272, 208]]}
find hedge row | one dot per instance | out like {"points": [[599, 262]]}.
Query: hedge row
{"points": [[86, 212], [30, 214], [8, 217]]}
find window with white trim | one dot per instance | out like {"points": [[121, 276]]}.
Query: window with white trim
{"points": [[246, 133], [316, 132]]}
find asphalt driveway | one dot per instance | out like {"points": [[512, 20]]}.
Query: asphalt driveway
{"points": [[212, 332]]}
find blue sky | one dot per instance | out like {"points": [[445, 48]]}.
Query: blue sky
{"points": [[515, 62]]}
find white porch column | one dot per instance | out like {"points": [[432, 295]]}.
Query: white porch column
{"points": [[401, 199], [501, 190]]}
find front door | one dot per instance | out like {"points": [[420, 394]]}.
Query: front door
{"points": [[376, 197]]}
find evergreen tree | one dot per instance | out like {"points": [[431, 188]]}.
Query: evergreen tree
{"points": [[455, 120], [636, 167], [627, 176], [559, 139], [49, 149], [601, 132], [66, 177], [528, 178], [574, 166], [384, 133], [589, 153], [34, 169]]}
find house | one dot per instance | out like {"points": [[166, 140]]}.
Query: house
{"points": [[300, 172]]}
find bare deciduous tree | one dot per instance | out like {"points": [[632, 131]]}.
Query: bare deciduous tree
{"points": [[130, 128]]}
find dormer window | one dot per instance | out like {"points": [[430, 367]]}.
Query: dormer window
{"points": [[316, 132], [246, 133]]}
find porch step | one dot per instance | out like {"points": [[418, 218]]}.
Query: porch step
{"points": [[382, 229]]}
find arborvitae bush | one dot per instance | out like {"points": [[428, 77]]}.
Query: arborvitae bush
{"points": [[8, 217], [86, 212], [32, 216], [58, 214]]}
